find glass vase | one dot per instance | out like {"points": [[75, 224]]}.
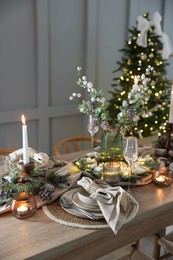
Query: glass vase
{"points": [[111, 147]]}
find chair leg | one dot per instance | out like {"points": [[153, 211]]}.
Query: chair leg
{"points": [[156, 247]]}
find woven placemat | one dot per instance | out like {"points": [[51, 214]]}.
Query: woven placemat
{"points": [[55, 212]]}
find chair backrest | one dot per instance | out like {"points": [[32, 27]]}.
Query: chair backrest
{"points": [[6, 151], [74, 144]]}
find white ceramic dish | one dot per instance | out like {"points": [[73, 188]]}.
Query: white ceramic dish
{"points": [[69, 195], [83, 196], [82, 205]]}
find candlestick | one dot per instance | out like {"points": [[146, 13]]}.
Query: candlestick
{"points": [[171, 108], [25, 141]]}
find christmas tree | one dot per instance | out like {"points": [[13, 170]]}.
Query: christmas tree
{"points": [[137, 59]]}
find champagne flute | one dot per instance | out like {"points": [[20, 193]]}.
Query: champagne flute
{"points": [[92, 128], [130, 152]]}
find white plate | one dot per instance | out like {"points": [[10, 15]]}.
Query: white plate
{"points": [[69, 194]]}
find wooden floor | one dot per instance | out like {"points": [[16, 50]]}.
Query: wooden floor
{"points": [[146, 245]]}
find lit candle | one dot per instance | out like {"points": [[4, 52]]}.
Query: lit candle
{"points": [[160, 178], [22, 210], [171, 108], [25, 141]]}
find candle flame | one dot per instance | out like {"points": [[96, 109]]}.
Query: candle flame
{"points": [[135, 80], [23, 119]]}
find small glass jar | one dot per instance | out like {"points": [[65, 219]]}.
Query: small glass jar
{"points": [[23, 205], [162, 176], [111, 172]]}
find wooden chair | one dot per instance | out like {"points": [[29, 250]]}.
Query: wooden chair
{"points": [[135, 254], [6, 151], [74, 144], [165, 242]]}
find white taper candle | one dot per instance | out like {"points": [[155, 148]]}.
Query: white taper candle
{"points": [[25, 141]]}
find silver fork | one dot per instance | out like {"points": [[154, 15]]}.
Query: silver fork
{"points": [[68, 204]]}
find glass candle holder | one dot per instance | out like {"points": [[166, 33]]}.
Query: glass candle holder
{"points": [[111, 172], [23, 205], [162, 176]]}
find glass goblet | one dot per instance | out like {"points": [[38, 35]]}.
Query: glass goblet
{"points": [[92, 128], [130, 153]]}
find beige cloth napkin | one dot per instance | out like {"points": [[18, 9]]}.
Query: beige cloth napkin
{"points": [[117, 205]]}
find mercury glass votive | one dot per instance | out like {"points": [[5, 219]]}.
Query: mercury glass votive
{"points": [[111, 172], [162, 176], [23, 205]]}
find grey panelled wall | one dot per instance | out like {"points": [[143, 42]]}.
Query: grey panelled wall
{"points": [[41, 44]]}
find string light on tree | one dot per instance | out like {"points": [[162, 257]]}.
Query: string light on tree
{"points": [[143, 58]]}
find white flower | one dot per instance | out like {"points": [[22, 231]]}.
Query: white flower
{"points": [[102, 100], [137, 96], [79, 95], [74, 94], [92, 99], [129, 95], [98, 168], [132, 101], [84, 78], [82, 109], [79, 68], [120, 115], [144, 81], [135, 87], [93, 166], [85, 82], [124, 104], [89, 85], [71, 98]]}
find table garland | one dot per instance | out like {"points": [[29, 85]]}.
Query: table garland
{"points": [[91, 164], [40, 182]]}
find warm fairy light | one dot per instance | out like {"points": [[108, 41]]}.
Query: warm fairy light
{"points": [[135, 80], [119, 99], [156, 94]]}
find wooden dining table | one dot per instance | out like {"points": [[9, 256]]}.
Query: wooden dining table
{"points": [[40, 237]]}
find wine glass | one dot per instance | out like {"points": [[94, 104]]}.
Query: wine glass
{"points": [[130, 152], [92, 128]]}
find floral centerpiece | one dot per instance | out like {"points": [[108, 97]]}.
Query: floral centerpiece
{"points": [[135, 106], [95, 106]]}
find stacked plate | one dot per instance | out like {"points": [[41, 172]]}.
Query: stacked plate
{"points": [[80, 198]]}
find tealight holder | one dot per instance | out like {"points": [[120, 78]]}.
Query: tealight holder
{"points": [[162, 176], [111, 172], [23, 205]]}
